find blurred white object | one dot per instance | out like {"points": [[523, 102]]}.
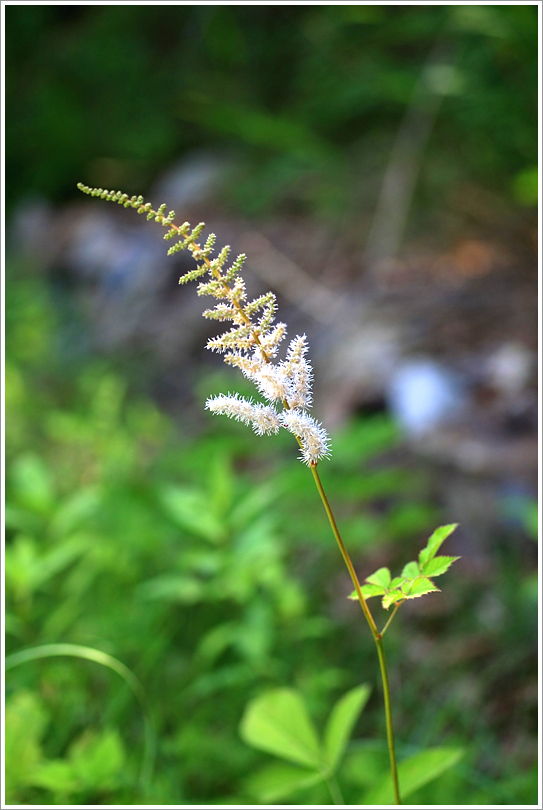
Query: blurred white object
{"points": [[423, 394], [509, 368]]}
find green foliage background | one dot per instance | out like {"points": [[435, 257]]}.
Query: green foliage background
{"points": [[203, 562], [310, 96]]}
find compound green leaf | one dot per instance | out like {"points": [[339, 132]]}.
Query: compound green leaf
{"points": [[435, 541], [438, 566], [419, 587], [380, 577], [392, 597], [414, 773], [410, 570], [341, 721], [277, 722], [369, 590]]}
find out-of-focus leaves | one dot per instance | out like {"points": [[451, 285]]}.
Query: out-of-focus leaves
{"points": [[25, 721], [279, 780], [341, 722], [97, 759], [173, 588], [413, 773], [190, 509], [277, 722], [28, 569], [32, 483]]}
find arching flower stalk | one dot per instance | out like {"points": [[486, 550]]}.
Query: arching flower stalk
{"points": [[251, 344]]}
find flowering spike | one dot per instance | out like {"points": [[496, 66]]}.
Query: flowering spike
{"points": [[252, 343]]}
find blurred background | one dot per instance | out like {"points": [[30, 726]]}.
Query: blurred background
{"points": [[378, 165]]}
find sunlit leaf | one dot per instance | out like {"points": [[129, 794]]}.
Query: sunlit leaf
{"points": [[277, 722], [392, 597], [97, 758], [438, 566], [435, 541], [341, 721], [25, 721], [410, 570], [380, 577], [367, 591], [55, 775], [419, 587], [413, 773], [279, 780]]}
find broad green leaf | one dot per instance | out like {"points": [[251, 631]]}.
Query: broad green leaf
{"points": [[97, 758], [414, 773], [277, 781], [27, 568], [368, 591], [410, 570], [75, 510], [55, 775], [419, 587], [381, 577], [60, 557], [25, 721], [435, 541], [438, 566], [341, 721], [32, 483], [396, 582], [392, 597], [277, 722]]}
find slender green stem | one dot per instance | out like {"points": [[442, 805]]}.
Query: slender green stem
{"points": [[377, 637], [388, 716], [344, 553], [383, 631]]}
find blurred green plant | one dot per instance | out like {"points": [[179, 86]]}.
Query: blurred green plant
{"points": [[285, 385], [104, 549], [308, 98], [94, 762], [277, 721]]}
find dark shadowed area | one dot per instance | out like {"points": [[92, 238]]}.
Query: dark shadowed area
{"points": [[378, 166]]}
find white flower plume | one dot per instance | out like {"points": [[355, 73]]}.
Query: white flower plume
{"points": [[253, 342]]}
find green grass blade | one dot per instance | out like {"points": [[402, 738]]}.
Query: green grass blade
{"points": [[105, 660]]}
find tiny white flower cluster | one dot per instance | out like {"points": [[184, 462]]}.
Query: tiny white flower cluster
{"points": [[251, 345], [287, 383]]}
